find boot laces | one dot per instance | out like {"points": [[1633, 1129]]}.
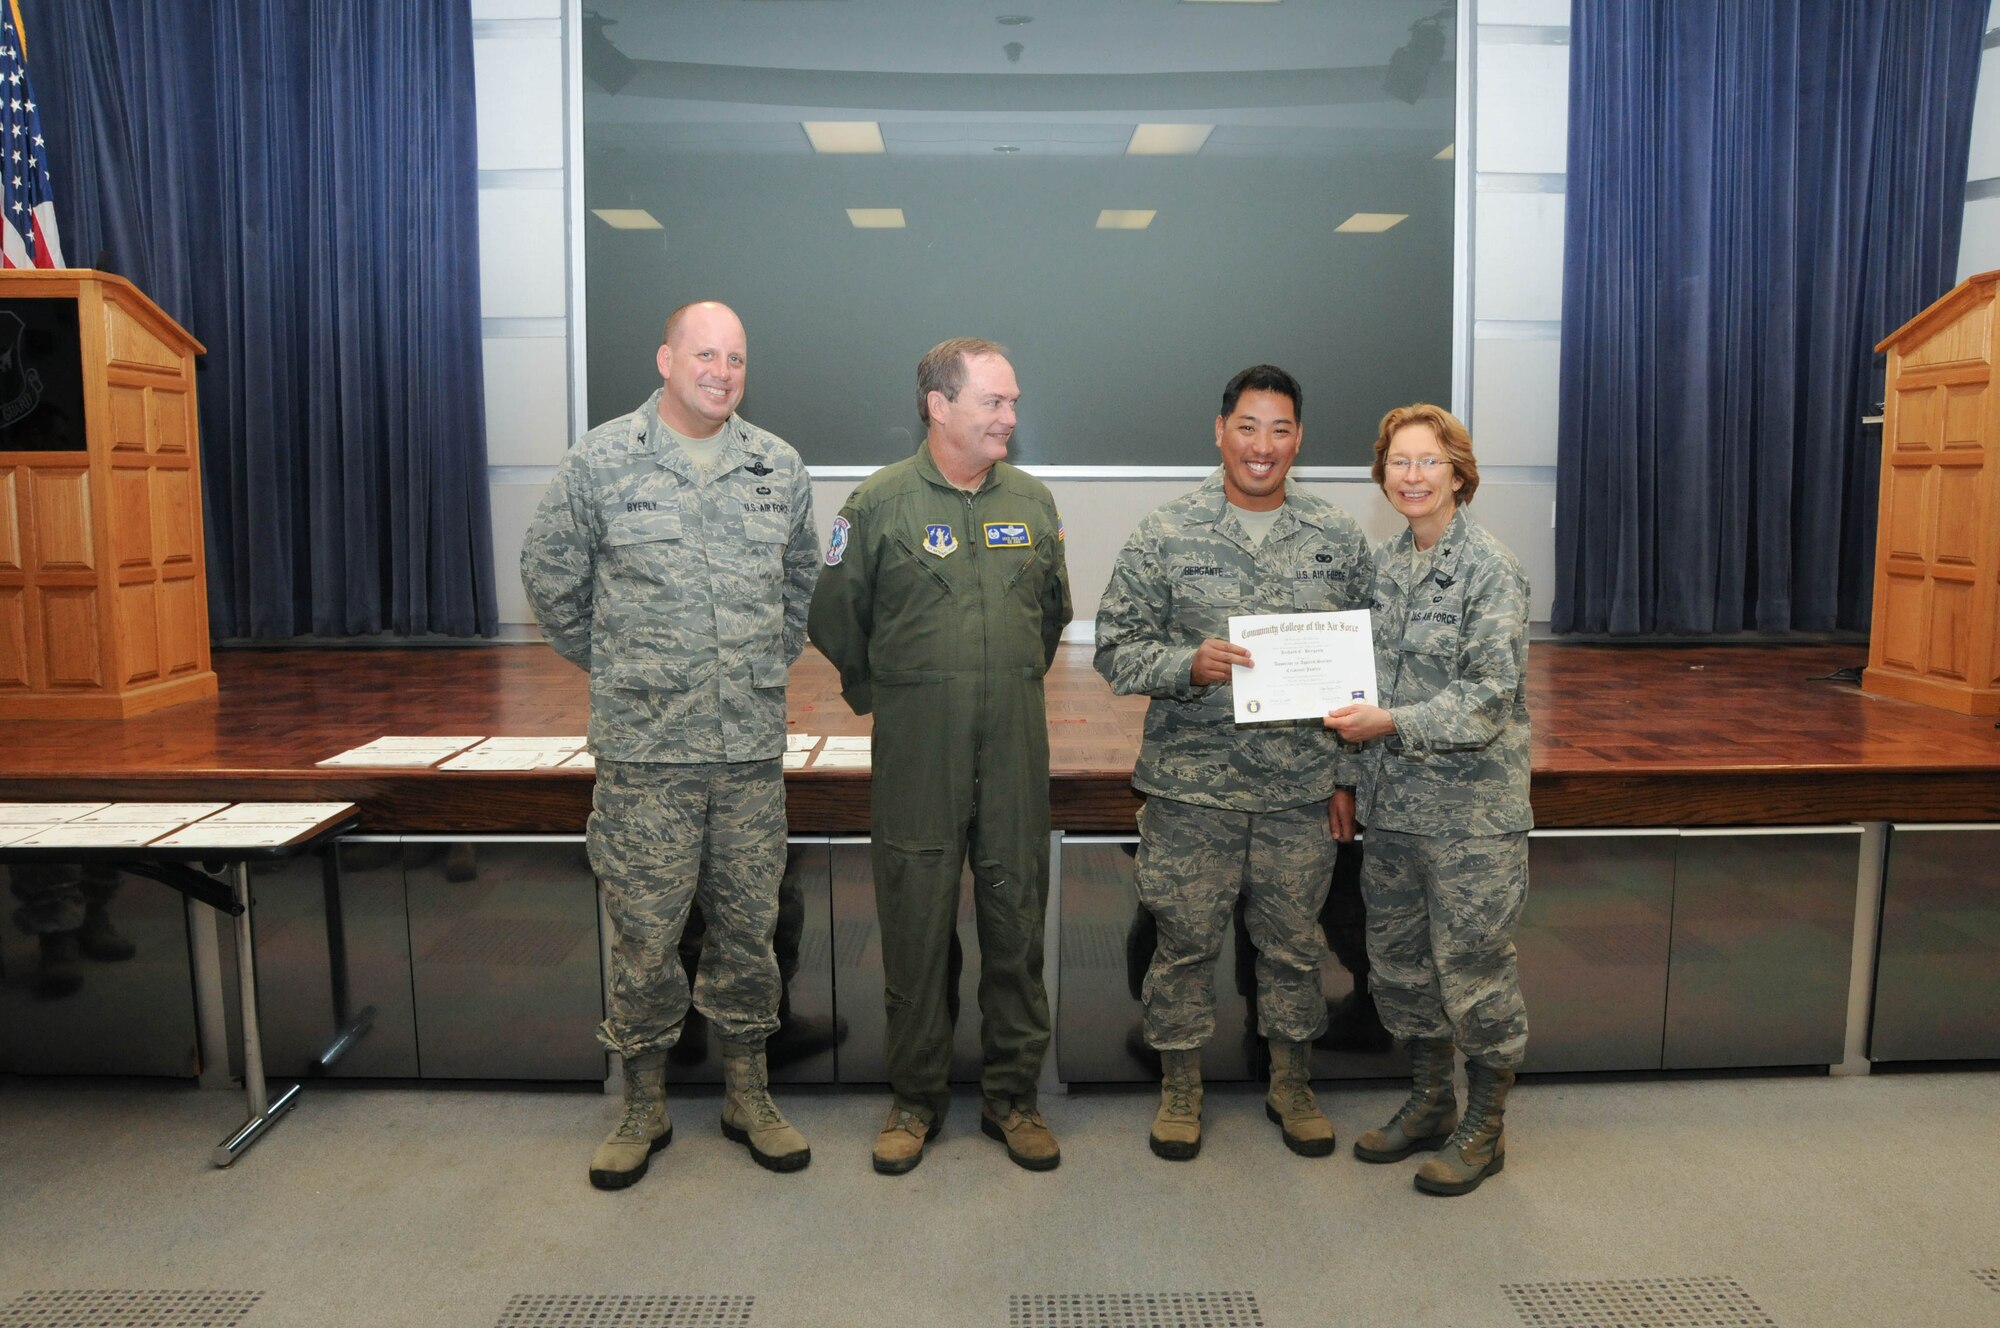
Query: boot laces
{"points": [[1297, 1098], [761, 1108], [1180, 1101], [637, 1121]]}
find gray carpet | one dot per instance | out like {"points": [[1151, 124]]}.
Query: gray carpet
{"points": [[1789, 1202]]}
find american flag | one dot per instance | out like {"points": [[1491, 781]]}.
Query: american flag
{"points": [[27, 203]]}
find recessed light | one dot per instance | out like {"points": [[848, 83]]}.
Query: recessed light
{"points": [[628, 219], [1013, 20], [1371, 222], [1126, 219], [1167, 140], [1006, 147], [844, 136], [876, 219], [1444, 153]]}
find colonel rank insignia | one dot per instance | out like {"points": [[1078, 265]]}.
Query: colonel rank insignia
{"points": [[940, 541], [1006, 535]]}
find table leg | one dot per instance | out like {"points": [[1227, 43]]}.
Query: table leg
{"points": [[263, 1109]]}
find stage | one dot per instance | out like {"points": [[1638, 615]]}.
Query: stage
{"points": [[1624, 736]]}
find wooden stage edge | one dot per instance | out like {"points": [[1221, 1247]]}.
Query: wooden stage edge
{"points": [[1624, 736]]}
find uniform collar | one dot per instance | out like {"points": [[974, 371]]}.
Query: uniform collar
{"points": [[1212, 505], [1443, 555], [650, 429], [927, 467]]}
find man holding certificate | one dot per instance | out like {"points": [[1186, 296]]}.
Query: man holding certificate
{"points": [[1236, 808]]}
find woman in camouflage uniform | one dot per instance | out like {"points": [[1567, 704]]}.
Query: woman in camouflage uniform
{"points": [[1444, 795]]}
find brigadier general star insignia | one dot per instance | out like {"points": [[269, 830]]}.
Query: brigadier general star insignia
{"points": [[940, 541]]}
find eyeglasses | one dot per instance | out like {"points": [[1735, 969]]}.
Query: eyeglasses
{"points": [[1424, 465]]}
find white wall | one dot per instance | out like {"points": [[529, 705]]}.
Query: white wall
{"points": [[1979, 243], [530, 201]]}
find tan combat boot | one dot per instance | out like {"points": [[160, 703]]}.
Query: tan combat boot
{"points": [[750, 1117], [1427, 1118], [1177, 1124], [1478, 1147], [642, 1131], [900, 1145], [1291, 1102], [1030, 1142]]}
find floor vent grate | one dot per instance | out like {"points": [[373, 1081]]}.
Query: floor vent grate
{"points": [[1659, 1302], [627, 1312], [1989, 1276], [129, 1309], [1133, 1309]]}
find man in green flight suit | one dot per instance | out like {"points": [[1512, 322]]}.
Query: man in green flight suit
{"points": [[944, 594]]}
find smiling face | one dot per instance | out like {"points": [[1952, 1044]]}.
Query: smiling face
{"points": [[969, 433], [1419, 481], [703, 367], [1258, 440]]}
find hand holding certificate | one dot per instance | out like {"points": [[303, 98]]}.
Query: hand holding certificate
{"points": [[1305, 664]]}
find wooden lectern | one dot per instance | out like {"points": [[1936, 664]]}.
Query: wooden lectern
{"points": [[1936, 634], [103, 592]]}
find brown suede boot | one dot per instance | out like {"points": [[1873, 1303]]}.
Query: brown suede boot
{"points": [[1030, 1142], [1177, 1124], [1425, 1121], [750, 1117], [642, 1131], [1478, 1147], [900, 1145], [1291, 1102]]}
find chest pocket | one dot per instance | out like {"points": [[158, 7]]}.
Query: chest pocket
{"points": [[645, 544], [767, 527], [1432, 636]]}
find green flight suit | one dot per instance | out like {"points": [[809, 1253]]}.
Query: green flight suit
{"points": [[942, 610]]}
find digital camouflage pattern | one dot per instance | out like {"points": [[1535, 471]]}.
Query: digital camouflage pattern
{"points": [[1451, 663], [1183, 574], [683, 594], [1441, 917], [1193, 862], [662, 837], [942, 611]]}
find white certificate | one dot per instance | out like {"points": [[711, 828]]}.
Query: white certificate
{"points": [[1303, 664]]}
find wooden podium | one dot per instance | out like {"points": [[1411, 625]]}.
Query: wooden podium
{"points": [[1936, 634], [103, 592]]}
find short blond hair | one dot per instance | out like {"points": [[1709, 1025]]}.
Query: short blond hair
{"points": [[1452, 436]]}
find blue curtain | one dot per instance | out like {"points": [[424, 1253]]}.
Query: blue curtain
{"points": [[295, 181], [1757, 194]]}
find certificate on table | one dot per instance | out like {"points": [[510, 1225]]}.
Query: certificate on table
{"points": [[1305, 664]]}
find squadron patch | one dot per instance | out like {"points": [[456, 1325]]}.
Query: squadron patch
{"points": [[940, 541], [836, 548], [1007, 535]]}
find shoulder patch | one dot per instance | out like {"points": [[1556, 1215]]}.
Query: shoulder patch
{"points": [[836, 548]]}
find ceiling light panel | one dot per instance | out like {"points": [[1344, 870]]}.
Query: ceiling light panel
{"points": [[1167, 140], [1445, 154], [628, 219], [1369, 223], [838, 137], [877, 219], [1126, 219]]}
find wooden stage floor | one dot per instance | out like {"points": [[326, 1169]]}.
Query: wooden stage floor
{"points": [[1624, 736]]}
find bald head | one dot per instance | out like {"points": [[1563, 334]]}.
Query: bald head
{"points": [[703, 363]]}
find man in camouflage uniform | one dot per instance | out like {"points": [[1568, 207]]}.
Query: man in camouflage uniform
{"points": [[944, 596], [673, 558], [1233, 809], [1444, 794]]}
